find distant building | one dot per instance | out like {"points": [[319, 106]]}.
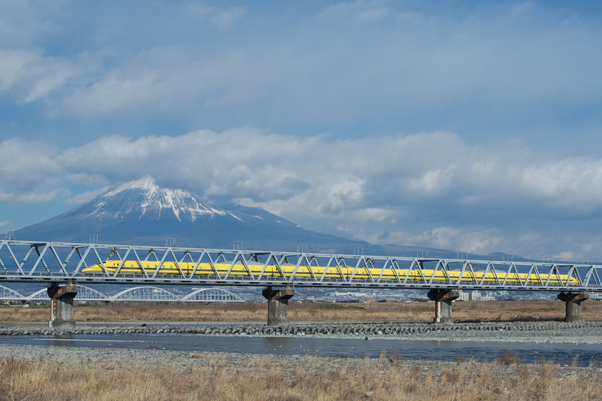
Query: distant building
{"points": [[464, 296], [474, 296]]}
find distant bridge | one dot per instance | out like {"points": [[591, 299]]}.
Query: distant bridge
{"points": [[62, 262], [135, 294]]}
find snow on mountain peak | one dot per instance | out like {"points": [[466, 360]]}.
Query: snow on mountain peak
{"points": [[146, 184], [146, 199]]}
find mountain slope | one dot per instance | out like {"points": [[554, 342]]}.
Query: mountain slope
{"points": [[140, 212]]}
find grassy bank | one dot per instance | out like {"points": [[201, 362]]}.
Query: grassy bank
{"points": [[310, 378], [304, 312]]}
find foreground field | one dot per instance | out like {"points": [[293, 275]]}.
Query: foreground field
{"points": [[305, 312], [51, 373]]}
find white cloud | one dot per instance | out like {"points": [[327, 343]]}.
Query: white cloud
{"points": [[224, 20], [360, 10], [573, 182], [29, 75], [25, 165], [317, 70], [360, 186], [84, 197], [23, 22], [31, 197], [418, 66], [316, 176], [525, 242], [463, 240], [197, 10]]}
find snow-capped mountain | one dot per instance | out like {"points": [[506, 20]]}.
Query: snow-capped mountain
{"points": [[140, 212], [143, 198]]}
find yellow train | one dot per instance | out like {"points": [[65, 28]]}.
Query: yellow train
{"points": [[205, 269]]}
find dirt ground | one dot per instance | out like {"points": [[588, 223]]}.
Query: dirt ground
{"points": [[304, 312], [39, 373]]}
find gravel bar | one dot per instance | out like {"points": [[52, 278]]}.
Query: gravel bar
{"points": [[538, 332], [256, 364]]}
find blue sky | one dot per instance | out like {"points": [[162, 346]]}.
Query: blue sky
{"points": [[472, 126]]}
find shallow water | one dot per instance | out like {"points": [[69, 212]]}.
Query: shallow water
{"points": [[332, 347]]}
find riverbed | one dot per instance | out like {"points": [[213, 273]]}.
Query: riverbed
{"points": [[527, 342], [449, 351]]}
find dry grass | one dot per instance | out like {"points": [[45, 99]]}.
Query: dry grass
{"points": [[297, 381], [306, 312]]}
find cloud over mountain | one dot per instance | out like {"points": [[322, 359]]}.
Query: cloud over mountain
{"points": [[142, 213], [359, 187], [471, 125]]}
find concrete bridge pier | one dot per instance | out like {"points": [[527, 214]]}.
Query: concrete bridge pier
{"points": [[573, 305], [443, 304], [61, 305], [278, 305]]}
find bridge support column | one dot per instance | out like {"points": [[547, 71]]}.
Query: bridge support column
{"points": [[278, 305], [61, 306], [443, 304], [573, 305]]}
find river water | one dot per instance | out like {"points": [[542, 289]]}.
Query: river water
{"points": [[332, 347]]}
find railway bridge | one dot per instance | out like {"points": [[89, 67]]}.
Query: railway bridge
{"points": [[64, 265]]}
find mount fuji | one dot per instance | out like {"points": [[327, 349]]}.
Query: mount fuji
{"points": [[142, 213]]}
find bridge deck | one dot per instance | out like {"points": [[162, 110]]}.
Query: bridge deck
{"points": [[45, 262]]}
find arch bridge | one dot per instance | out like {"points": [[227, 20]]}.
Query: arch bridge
{"points": [[134, 294]]}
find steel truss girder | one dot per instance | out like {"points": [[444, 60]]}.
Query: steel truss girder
{"points": [[52, 262]]}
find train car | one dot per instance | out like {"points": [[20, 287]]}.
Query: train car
{"points": [[331, 272]]}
